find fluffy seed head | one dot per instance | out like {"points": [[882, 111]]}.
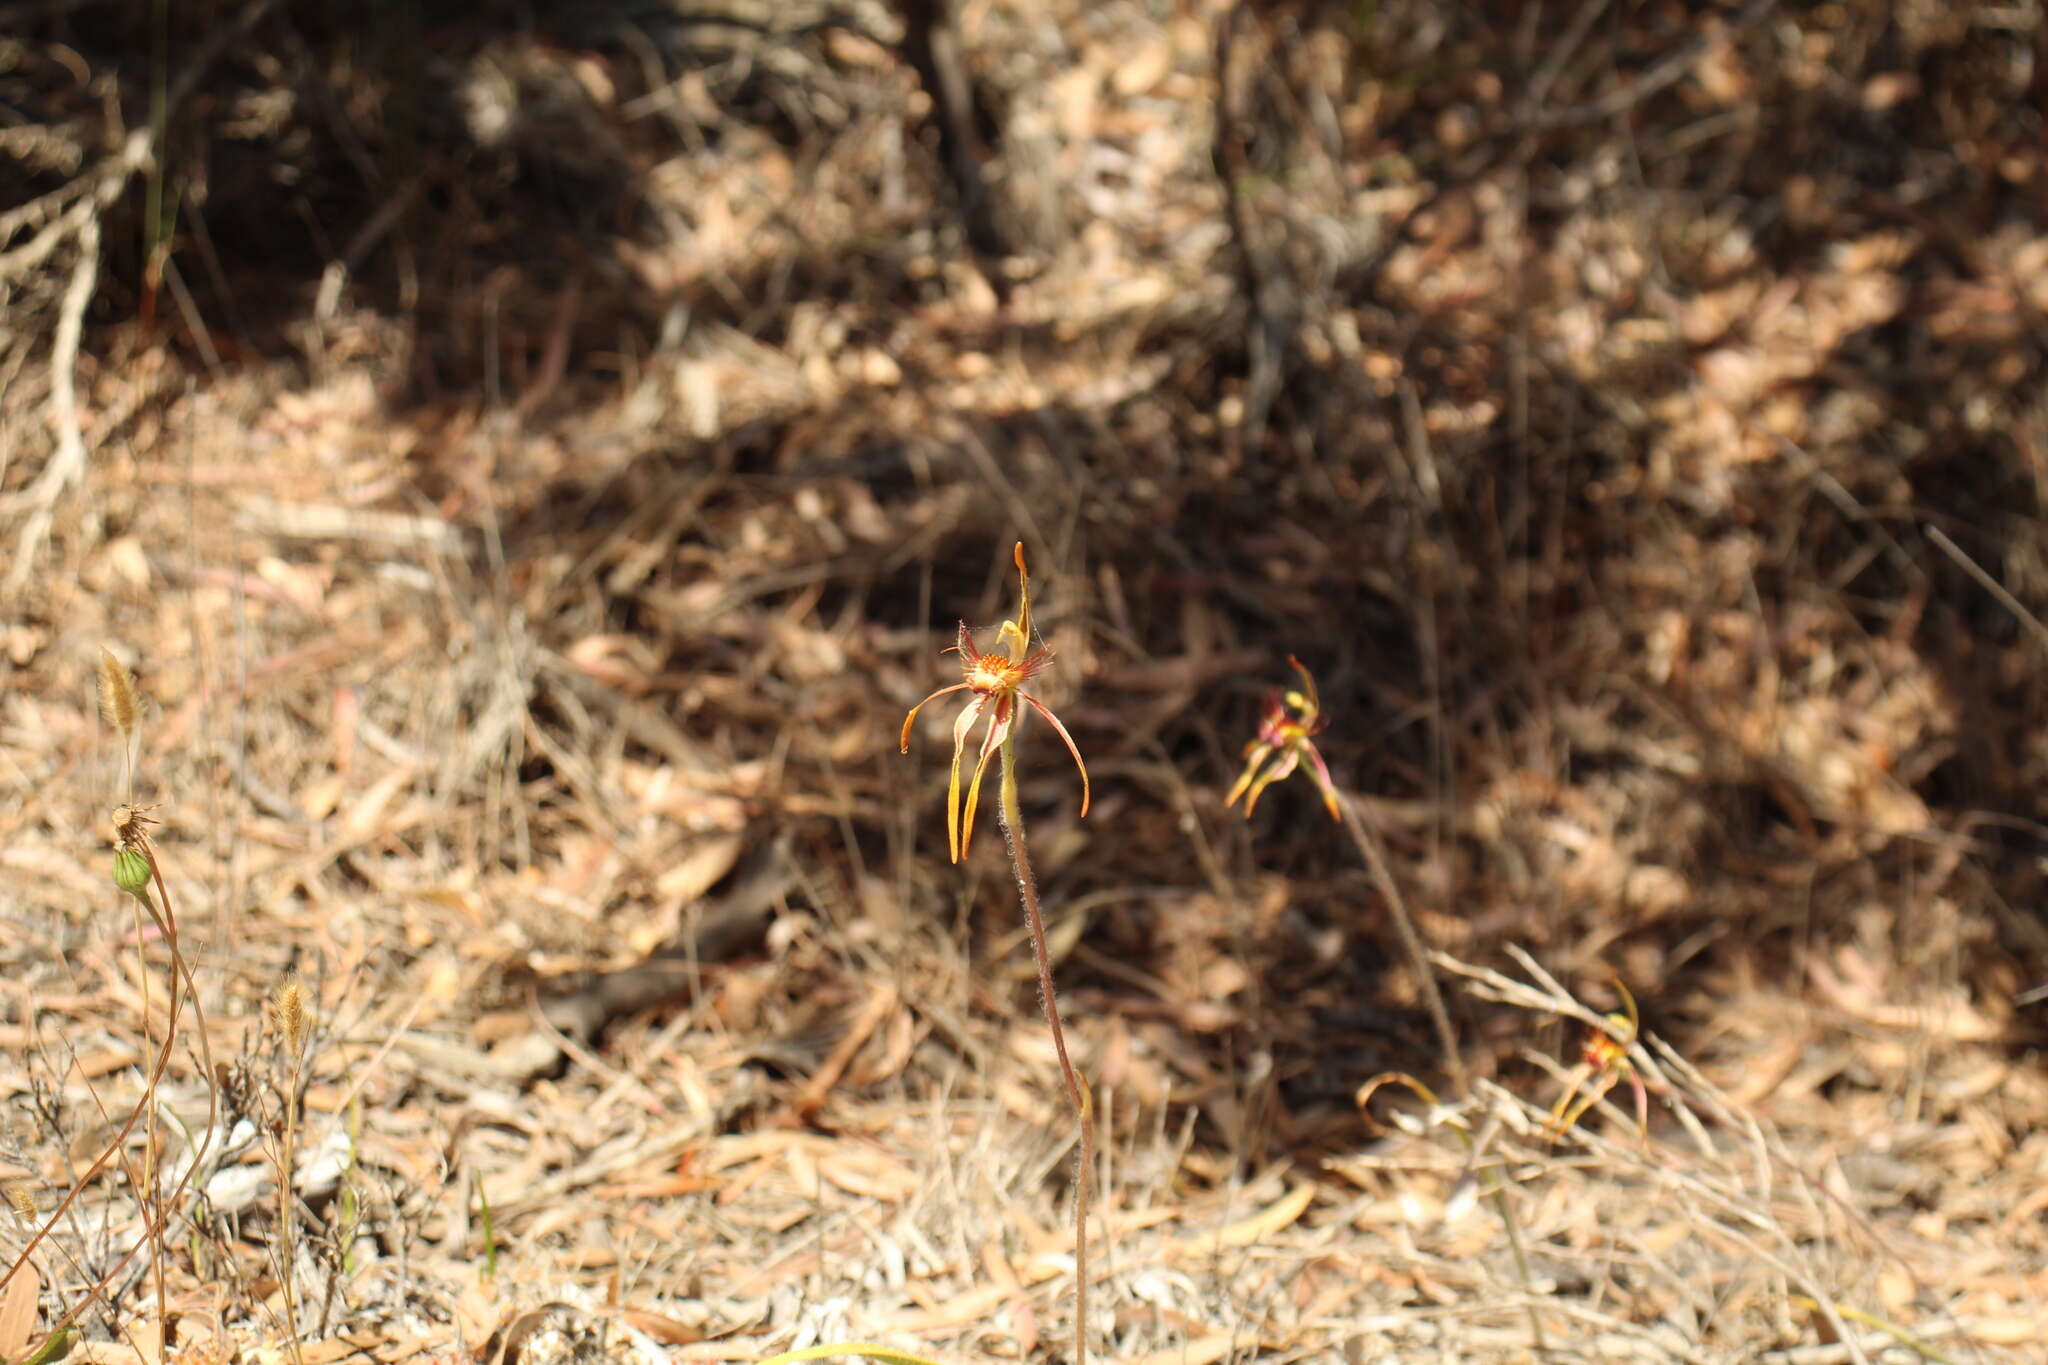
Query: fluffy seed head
{"points": [[117, 694], [287, 1006]]}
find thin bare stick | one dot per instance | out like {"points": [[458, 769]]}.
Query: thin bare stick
{"points": [[1675, 64], [1988, 583]]}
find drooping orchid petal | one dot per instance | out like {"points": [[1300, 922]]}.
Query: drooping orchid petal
{"points": [[1255, 754], [1072, 748], [904, 745], [998, 731], [1324, 783], [962, 726]]}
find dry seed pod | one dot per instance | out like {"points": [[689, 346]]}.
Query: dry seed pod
{"points": [[131, 825]]}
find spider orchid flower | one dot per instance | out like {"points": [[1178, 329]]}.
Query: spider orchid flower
{"points": [[995, 681], [1287, 731]]}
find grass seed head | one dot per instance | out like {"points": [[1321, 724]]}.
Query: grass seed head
{"points": [[22, 1199], [118, 705], [287, 1008]]}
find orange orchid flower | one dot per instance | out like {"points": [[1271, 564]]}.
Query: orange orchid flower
{"points": [[1287, 731], [996, 681], [1603, 1060]]}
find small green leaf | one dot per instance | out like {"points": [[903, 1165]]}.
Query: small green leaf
{"points": [[54, 1348]]}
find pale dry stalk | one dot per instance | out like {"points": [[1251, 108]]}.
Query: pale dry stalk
{"points": [[287, 1008]]}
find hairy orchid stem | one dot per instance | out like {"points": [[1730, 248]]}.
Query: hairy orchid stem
{"points": [[1012, 820], [1411, 941]]}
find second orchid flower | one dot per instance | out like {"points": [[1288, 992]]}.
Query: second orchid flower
{"points": [[1287, 730]]}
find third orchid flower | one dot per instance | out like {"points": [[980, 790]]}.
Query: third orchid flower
{"points": [[1287, 730]]}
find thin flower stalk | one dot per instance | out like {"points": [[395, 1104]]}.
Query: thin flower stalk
{"points": [[1010, 814], [995, 682], [1288, 725]]}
